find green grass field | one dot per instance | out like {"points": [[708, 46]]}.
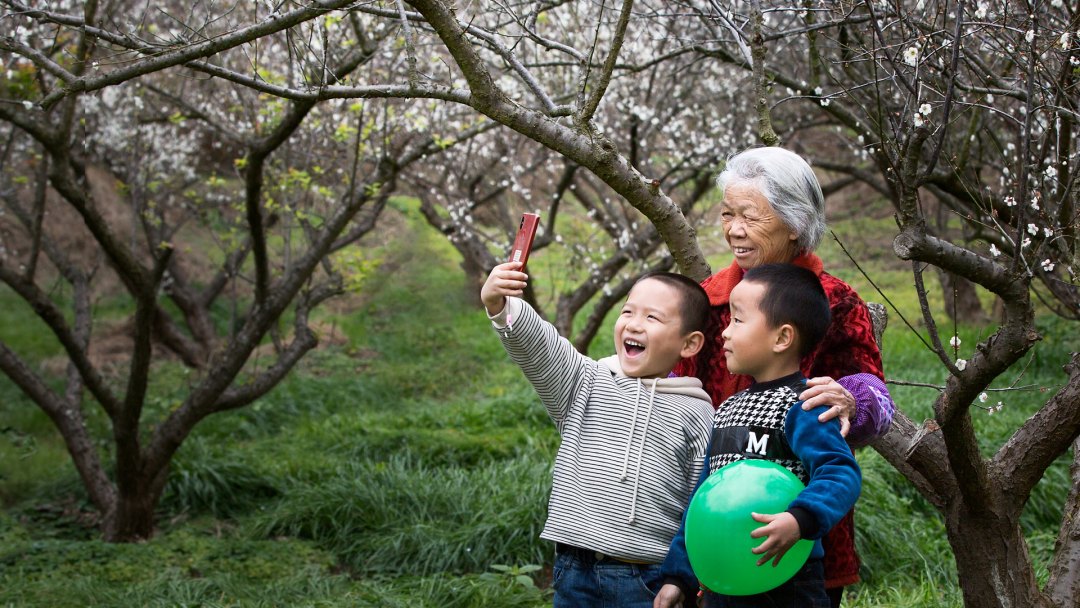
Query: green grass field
{"points": [[411, 466]]}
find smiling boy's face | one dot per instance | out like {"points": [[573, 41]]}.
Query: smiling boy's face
{"points": [[648, 334]]}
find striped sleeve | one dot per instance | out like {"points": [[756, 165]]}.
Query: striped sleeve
{"points": [[553, 366]]}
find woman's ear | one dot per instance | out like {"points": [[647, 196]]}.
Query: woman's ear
{"points": [[692, 344], [784, 338]]}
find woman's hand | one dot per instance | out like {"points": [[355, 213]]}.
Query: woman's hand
{"points": [[825, 391], [504, 280]]}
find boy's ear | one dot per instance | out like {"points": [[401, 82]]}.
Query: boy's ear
{"points": [[692, 344], [785, 338]]}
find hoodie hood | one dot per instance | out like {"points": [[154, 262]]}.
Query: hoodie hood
{"points": [[691, 387]]}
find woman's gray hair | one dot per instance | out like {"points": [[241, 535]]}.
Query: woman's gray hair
{"points": [[789, 185]]}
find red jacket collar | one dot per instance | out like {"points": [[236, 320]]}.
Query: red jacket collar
{"points": [[719, 285]]}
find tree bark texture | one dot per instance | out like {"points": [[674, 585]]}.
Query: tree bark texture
{"points": [[1064, 584], [992, 558]]}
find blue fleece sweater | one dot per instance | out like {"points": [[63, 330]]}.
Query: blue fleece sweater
{"points": [[822, 459]]}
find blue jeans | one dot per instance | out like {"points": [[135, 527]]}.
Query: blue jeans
{"points": [[582, 581], [805, 590]]}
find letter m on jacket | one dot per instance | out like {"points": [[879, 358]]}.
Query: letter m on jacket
{"points": [[753, 444]]}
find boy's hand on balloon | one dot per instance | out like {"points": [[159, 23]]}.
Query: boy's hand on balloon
{"points": [[504, 280], [782, 532]]}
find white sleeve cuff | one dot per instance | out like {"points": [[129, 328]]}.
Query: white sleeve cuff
{"points": [[508, 313]]}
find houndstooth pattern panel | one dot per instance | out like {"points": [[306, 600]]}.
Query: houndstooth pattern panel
{"points": [[761, 409]]}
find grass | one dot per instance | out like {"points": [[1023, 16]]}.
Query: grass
{"points": [[399, 469]]}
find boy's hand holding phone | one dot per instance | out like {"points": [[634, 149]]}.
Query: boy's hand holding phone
{"points": [[782, 531], [504, 280]]}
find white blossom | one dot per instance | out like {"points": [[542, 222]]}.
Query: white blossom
{"points": [[1032, 229], [1048, 232], [911, 56], [825, 102], [1047, 265], [919, 120], [983, 397], [1025, 242], [1064, 41], [961, 364], [954, 342], [994, 251], [1029, 36], [980, 12], [1010, 201], [924, 109], [29, 105]]}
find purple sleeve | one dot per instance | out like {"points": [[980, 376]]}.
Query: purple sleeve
{"points": [[873, 408]]}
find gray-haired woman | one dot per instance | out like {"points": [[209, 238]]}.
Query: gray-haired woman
{"points": [[773, 211]]}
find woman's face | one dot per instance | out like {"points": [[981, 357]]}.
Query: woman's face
{"points": [[755, 233]]}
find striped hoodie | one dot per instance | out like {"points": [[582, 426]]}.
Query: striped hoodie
{"points": [[631, 447]]}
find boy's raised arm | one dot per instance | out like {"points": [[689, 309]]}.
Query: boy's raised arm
{"points": [[553, 366]]}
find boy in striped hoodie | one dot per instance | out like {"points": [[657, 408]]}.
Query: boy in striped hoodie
{"points": [[631, 436]]}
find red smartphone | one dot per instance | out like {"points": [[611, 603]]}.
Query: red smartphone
{"points": [[523, 242]]}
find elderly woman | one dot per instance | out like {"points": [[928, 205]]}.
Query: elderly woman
{"points": [[773, 211]]}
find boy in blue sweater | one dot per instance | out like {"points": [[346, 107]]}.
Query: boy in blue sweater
{"points": [[779, 313]]}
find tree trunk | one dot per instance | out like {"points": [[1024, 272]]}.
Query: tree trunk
{"points": [[132, 517], [961, 301], [475, 275], [992, 560], [1064, 581]]}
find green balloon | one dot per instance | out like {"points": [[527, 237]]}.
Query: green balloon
{"points": [[718, 527]]}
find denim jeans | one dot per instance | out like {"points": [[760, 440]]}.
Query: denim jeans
{"points": [[582, 581], [805, 590]]}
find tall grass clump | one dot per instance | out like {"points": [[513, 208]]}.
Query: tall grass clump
{"points": [[900, 537], [204, 482], [403, 517]]}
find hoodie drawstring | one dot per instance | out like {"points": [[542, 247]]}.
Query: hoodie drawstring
{"points": [[641, 451], [630, 437]]}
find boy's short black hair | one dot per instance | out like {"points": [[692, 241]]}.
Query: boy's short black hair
{"points": [[693, 301], [793, 296]]}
